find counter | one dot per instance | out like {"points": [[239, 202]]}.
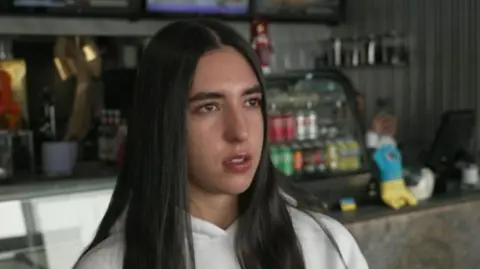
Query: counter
{"points": [[57, 219], [86, 177], [439, 234], [45, 223]]}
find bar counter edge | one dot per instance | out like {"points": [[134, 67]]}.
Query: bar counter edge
{"points": [[440, 233]]}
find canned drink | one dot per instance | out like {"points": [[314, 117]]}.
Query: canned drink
{"points": [[289, 127], [287, 163]]}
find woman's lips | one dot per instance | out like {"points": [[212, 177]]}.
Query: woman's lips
{"points": [[238, 163]]}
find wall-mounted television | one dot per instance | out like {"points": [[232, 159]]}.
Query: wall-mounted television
{"points": [[86, 7], [213, 7]]}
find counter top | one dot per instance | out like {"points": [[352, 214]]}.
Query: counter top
{"points": [[94, 177], [441, 233], [366, 213], [87, 177]]}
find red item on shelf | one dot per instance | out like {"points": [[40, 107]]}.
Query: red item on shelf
{"points": [[261, 42], [289, 127], [275, 128], [9, 108]]}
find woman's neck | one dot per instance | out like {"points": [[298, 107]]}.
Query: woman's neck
{"points": [[221, 210]]}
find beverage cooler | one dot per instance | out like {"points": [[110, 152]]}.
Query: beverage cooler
{"points": [[316, 139]]}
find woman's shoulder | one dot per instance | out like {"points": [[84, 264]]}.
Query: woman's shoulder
{"points": [[307, 222], [106, 255], [317, 231]]}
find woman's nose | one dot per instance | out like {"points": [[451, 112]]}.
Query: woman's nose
{"points": [[236, 126]]}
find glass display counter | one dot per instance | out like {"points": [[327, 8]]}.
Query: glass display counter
{"points": [[49, 229], [316, 139]]}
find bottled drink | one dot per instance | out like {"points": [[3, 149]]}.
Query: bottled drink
{"points": [[320, 157], [275, 125], [297, 159], [301, 130], [289, 127], [275, 156], [332, 155], [356, 154], [309, 158], [287, 162], [342, 155], [311, 123]]}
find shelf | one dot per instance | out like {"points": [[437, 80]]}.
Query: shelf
{"points": [[375, 67], [98, 26], [32, 25]]}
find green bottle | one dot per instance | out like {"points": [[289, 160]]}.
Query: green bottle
{"points": [[287, 160], [275, 156]]}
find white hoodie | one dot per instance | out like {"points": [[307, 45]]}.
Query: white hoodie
{"points": [[214, 247]]}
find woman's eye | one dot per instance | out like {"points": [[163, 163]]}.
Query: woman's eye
{"points": [[253, 102], [208, 108]]}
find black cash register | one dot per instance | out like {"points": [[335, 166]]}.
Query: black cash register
{"points": [[452, 146]]}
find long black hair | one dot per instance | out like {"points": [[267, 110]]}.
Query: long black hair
{"points": [[151, 186]]}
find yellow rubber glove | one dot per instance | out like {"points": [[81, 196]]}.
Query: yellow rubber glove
{"points": [[395, 194], [393, 191]]}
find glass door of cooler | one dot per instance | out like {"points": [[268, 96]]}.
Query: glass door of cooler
{"points": [[314, 131]]}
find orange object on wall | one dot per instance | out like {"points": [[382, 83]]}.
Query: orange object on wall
{"points": [[10, 113]]}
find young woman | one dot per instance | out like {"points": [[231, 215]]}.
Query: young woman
{"points": [[197, 188]]}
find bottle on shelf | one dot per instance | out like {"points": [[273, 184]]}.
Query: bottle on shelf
{"points": [[342, 155], [332, 155], [320, 157], [298, 159], [309, 158], [110, 136], [307, 139], [286, 165], [311, 123], [288, 120], [275, 156], [275, 124], [300, 126]]}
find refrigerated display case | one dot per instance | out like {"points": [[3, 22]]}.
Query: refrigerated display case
{"points": [[316, 139]]}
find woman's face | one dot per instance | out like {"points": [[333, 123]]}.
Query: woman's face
{"points": [[224, 124]]}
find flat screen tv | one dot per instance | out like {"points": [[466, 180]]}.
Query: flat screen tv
{"points": [[224, 7], [102, 7]]}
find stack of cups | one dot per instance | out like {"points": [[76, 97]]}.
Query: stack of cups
{"points": [[59, 158]]}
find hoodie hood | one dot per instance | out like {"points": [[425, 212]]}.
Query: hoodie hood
{"points": [[200, 228]]}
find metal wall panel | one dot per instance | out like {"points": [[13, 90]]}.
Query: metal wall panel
{"points": [[444, 57]]}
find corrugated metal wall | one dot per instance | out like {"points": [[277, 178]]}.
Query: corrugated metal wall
{"points": [[443, 72]]}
